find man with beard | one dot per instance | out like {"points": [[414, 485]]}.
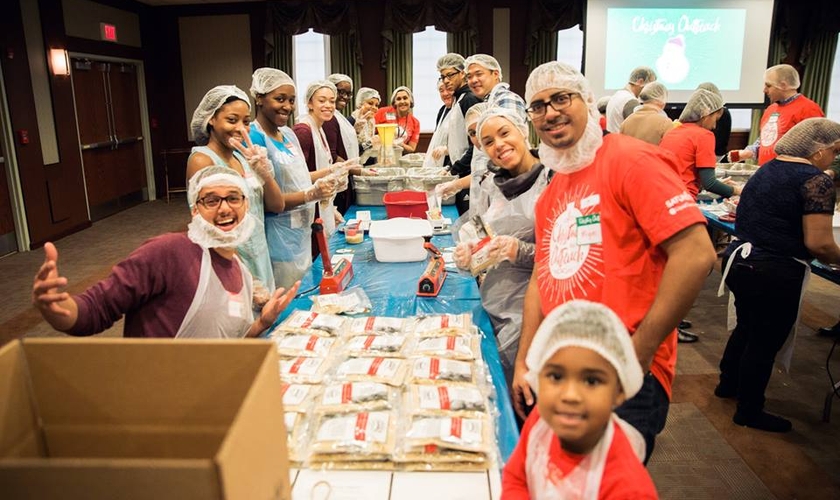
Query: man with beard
{"points": [[176, 285], [616, 226]]}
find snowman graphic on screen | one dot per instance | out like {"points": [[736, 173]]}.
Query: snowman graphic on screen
{"points": [[672, 66]]}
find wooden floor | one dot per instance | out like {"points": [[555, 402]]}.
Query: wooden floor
{"points": [[700, 455]]}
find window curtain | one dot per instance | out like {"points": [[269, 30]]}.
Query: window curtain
{"points": [[543, 50], [463, 42], [546, 19], [816, 80], [343, 60], [398, 70]]}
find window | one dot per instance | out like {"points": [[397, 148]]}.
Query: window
{"points": [[833, 108], [312, 59], [428, 46], [570, 46]]}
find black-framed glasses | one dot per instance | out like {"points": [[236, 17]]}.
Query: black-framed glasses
{"points": [[214, 201], [446, 77], [558, 102], [346, 94]]}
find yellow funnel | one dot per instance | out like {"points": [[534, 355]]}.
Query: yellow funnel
{"points": [[386, 133]]}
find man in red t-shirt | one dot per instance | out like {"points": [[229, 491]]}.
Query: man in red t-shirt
{"points": [[615, 226], [787, 108]]}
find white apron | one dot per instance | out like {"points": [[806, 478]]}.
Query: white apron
{"points": [[457, 141], [439, 138], [348, 136], [323, 160], [216, 313]]}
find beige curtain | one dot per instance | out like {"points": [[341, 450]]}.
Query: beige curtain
{"points": [[398, 67], [543, 50], [343, 60], [463, 43], [816, 80]]}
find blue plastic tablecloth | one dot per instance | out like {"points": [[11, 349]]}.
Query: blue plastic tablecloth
{"points": [[392, 289]]}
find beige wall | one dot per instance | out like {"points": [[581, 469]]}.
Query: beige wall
{"points": [[82, 18], [37, 54], [215, 50]]}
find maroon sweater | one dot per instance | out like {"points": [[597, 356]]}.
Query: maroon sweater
{"points": [[153, 288]]}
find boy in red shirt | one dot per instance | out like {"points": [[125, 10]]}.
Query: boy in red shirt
{"points": [[582, 365]]}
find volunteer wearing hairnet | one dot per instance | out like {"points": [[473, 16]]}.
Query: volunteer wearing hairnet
{"points": [[478, 163], [787, 108], [505, 200], [484, 77], [341, 136], [320, 105], [176, 285], [400, 113], [624, 101], [723, 129], [437, 153], [367, 102], [784, 221], [219, 127], [288, 232], [602, 110], [693, 142], [582, 365], [649, 121], [616, 226]]}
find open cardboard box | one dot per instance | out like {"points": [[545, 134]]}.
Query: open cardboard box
{"points": [[144, 418]]}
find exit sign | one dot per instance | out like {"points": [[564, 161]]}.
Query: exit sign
{"points": [[108, 32]]}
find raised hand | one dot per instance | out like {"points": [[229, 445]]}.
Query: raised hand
{"points": [[54, 305], [257, 156]]}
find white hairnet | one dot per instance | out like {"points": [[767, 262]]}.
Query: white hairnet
{"points": [[783, 76], [267, 79], [701, 103], [807, 137], [590, 325], [485, 61], [474, 113], [654, 91], [337, 78], [317, 85], [211, 102], [451, 60], [214, 175], [642, 73], [559, 76], [407, 91], [364, 94], [711, 87], [510, 115], [602, 104]]}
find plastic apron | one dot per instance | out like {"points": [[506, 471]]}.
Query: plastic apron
{"points": [[478, 169], [582, 483], [785, 355], [254, 252], [323, 160], [348, 136], [457, 141], [439, 138], [216, 313], [288, 233]]}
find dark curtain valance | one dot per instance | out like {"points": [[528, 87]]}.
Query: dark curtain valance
{"points": [[551, 16], [413, 16], [328, 17]]}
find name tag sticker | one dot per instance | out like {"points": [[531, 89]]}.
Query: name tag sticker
{"points": [[236, 308], [588, 229]]}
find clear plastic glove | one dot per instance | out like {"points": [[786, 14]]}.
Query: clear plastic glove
{"points": [[260, 294], [446, 189], [257, 156], [439, 152], [323, 188], [368, 171], [463, 254], [343, 167], [503, 248], [339, 219]]}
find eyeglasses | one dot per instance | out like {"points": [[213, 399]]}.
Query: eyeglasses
{"points": [[448, 77], [344, 93], [558, 102], [213, 201]]}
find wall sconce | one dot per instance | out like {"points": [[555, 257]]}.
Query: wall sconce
{"points": [[59, 62]]}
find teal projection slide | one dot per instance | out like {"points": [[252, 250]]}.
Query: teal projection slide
{"points": [[684, 46]]}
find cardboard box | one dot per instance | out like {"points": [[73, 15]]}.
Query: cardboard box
{"points": [[144, 418]]}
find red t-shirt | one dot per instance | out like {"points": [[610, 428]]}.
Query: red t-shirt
{"points": [[627, 202], [695, 148], [778, 119], [624, 476], [408, 127]]}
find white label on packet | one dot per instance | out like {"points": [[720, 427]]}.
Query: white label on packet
{"points": [[308, 319], [453, 430], [377, 324], [441, 369], [353, 392], [369, 427], [389, 343], [451, 343], [380, 367], [432, 323], [295, 394], [442, 397], [300, 366], [309, 343]]}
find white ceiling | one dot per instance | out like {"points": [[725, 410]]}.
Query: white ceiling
{"points": [[158, 3]]}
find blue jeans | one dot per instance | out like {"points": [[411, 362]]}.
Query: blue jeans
{"points": [[647, 411]]}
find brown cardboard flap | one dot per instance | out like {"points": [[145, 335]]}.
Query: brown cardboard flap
{"points": [[143, 381], [250, 460], [134, 441], [71, 479], [18, 425]]}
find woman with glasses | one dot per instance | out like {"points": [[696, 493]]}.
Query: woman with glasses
{"points": [[342, 138], [399, 112], [177, 285], [219, 127]]}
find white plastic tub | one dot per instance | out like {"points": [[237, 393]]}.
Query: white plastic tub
{"points": [[399, 239]]}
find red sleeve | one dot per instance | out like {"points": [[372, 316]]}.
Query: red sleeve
{"points": [[379, 117], [663, 208], [705, 155], [414, 134], [514, 477], [307, 147], [625, 478]]}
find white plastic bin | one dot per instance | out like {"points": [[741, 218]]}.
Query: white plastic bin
{"points": [[399, 239]]}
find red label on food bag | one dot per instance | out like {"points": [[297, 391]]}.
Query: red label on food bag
{"points": [[313, 341], [430, 448], [455, 428], [309, 320], [369, 341], [444, 321], [443, 396], [369, 324], [346, 393], [450, 343], [374, 367], [284, 389], [434, 368], [297, 364], [361, 426]]}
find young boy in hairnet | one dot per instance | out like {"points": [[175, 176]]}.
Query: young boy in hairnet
{"points": [[582, 365]]}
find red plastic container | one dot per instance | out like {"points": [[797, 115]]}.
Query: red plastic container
{"points": [[405, 204]]}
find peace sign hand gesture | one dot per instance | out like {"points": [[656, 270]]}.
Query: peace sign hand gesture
{"points": [[257, 156]]}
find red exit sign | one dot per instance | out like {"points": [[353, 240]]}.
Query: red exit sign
{"points": [[108, 32]]}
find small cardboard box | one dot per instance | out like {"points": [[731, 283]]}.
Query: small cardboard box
{"points": [[144, 418]]}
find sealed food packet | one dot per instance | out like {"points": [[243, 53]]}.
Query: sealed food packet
{"points": [[296, 430], [298, 397], [303, 370], [377, 325], [304, 345], [386, 346], [353, 438], [351, 301], [480, 259], [458, 441], [312, 323], [389, 371], [443, 324], [445, 399], [351, 397], [432, 370], [462, 347]]}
